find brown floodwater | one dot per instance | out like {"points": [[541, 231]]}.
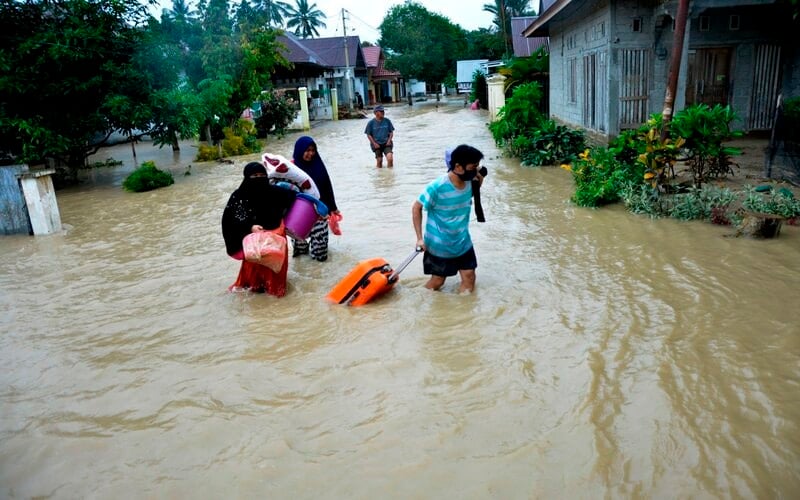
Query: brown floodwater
{"points": [[602, 355]]}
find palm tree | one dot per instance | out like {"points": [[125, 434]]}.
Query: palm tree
{"points": [[180, 13], [274, 10], [305, 19], [503, 11]]}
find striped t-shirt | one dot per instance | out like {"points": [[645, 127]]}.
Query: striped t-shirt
{"points": [[447, 226]]}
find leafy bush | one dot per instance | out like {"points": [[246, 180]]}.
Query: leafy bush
{"points": [[277, 112], [240, 140], [479, 89], [146, 178], [600, 177], [519, 116], [207, 153], [778, 202], [704, 129], [642, 199], [791, 109], [552, 144], [702, 203]]}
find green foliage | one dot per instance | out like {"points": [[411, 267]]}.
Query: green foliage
{"points": [[240, 140], [62, 66], [778, 202], [206, 152], [600, 177], [519, 116], [277, 112], [791, 109], [305, 19], [421, 44], [146, 178], [479, 91], [705, 128], [521, 70], [701, 203], [642, 199], [553, 144], [659, 156], [484, 43]]}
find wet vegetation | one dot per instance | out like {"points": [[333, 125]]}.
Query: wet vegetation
{"points": [[147, 178], [638, 167]]}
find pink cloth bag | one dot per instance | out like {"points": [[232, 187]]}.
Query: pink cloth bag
{"points": [[267, 248]]}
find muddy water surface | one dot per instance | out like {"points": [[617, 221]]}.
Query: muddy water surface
{"points": [[602, 354]]}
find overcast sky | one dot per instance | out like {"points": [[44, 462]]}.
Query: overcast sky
{"points": [[365, 16]]}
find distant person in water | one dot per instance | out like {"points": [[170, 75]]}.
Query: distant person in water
{"points": [[256, 206], [380, 133], [307, 157]]}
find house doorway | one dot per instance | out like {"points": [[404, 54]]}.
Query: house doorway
{"points": [[708, 76]]}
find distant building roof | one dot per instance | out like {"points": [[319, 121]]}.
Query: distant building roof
{"points": [[465, 69], [331, 50], [371, 56], [375, 60], [297, 51], [523, 46]]}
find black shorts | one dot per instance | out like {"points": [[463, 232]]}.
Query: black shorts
{"points": [[442, 266], [381, 150]]}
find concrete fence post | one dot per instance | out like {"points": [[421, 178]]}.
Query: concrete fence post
{"points": [[335, 103], [304, 120], [497, 94]]}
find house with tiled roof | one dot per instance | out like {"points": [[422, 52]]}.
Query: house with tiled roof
{"points": [[320, 64], [385, 85], [345, 60]]}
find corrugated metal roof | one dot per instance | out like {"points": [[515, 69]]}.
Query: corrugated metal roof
{"points": [[524, 46], [371, 56]]}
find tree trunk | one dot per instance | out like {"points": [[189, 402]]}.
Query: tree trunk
{"points": [[175, 146]]}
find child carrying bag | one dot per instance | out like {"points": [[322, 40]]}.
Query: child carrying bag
{"points": [[267, 248]]}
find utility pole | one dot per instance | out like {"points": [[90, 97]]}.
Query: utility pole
{"points": [[348, 87], [674, 66]]}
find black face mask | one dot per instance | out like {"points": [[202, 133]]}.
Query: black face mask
{"points": [[468, 175]]}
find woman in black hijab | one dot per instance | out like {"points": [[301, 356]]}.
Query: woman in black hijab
{"points": [[256, 206]]}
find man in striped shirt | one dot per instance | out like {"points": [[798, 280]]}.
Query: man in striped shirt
{"points": [[448, 202]]}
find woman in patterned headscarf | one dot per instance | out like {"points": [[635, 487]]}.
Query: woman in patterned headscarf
{"points": [[307, 158], [256, 206]]}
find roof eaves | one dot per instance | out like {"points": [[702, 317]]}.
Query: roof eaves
{"points": [[540, 26]]}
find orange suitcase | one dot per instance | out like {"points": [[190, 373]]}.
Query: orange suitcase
{"points": [[367, 281]]}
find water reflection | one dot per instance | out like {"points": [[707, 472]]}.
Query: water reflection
{"points": [[602, 354]]}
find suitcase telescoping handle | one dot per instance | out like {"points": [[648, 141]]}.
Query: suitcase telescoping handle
{"points": [[404, 264]]}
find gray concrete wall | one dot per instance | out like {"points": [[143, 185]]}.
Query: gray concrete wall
{"points": [[575, 35], [571, 40]]}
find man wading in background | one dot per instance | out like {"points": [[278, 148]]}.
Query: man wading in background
{"points": [[380, 132]]}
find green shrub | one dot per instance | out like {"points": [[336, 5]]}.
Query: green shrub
{"points": [[277, 112], [552, 144], [519, 116], [146, 178], [206, 152], [600, 177], [479, 89], [705, 128], [702, 203], [642, 199], [778, 202]]}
